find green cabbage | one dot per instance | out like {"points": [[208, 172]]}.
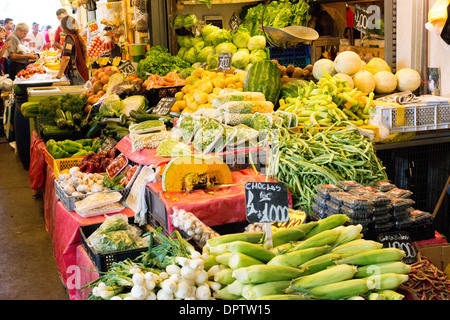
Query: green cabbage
{"points": [[205, 52], [226, 47], [258, 55], [212, 61], [240, 60], [208, 29], [240, 39], [182, 52], [256, 43], [218, 36], [111, 106], [191, 55], [178, 21], [190, 20], [172, 148], [181, 40], [192, 41], [133, 103]]}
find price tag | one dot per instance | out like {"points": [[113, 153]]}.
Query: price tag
{"points": [[361, 19], [400, 240], [234, 22], [224, 61], [127, 68], [164, 105], [266, 202], [93, 27]]}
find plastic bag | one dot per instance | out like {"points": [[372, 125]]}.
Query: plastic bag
{"points": [[437, 15], [445, 34]]}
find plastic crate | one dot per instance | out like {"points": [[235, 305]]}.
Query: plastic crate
{"points": [[298, 56], [157, 212], [59, 165], [104, 261], [154, 95], [415, 117], [69, 201]]}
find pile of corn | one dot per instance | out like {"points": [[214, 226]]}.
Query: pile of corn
{"points": [[324, 260]]}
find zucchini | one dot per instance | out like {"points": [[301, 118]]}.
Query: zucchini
{"points": [[94, 128], [123, 119], [60, 119], [30, 109], [69, 118]]}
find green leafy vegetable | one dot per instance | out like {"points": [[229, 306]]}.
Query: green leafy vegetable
{"points": [[159, 61]]}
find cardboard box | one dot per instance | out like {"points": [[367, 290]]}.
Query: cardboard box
{"points": [[438, 254]]}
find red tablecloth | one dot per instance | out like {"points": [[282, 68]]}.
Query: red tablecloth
{"points": [[67, 238], [85, 265], [146, 157], [212, 207]]}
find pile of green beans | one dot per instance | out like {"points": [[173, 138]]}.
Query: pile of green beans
{"points": [[304, 160]]}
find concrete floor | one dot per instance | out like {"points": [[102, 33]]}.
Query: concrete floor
{"points": [[27, 266]]}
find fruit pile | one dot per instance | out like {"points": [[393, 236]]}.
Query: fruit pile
{"points": [[29, 72], [95, 47], [99, 84]]}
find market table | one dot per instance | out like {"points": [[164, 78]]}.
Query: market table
{"points": [[66, 238], [213, 206]]}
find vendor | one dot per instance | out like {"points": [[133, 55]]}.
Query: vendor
{"points": [[74, 53], [18, 54]]}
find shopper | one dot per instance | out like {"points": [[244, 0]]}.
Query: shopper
{"points": [[74, 53], [36, 38], [3, 47], [9, 26], [60, 13], [47, 34], [19, 55]]}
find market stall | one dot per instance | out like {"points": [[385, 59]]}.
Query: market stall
{"points": [[145, 171]]}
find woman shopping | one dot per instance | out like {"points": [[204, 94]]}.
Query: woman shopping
{"points": [[74, 53]]}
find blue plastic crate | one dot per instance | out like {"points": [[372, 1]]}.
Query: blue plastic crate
{"points": [[298, 56]]}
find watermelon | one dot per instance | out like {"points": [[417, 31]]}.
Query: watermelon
{"points": [[264, 76], [290, 89]]}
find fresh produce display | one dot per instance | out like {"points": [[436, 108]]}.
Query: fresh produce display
{"points": [[330, 101], [427, 282], [373, 76], [278, 14], [97, 162], [183, 173], [29, 71], [116, 234], [305, 160], [95, 47], [159, 61], [76, 183], [69, 148], [171, 79]]}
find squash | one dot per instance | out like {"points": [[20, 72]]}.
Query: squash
{"points": [[186, 171], [264, 76]]}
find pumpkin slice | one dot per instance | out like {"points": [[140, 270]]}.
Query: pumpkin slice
{"points": [[185, 172]]}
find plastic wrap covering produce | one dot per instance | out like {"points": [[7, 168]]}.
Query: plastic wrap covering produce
{"points": [[116, 234]]}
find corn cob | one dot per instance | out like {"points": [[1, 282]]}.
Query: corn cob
{"points": [[328, 223], [283, 236], [223, 258], [386, 281], [330, 275], [254, 250], [374, 296], [348, 233], [224, 276], [239, 260], [283, 248], [387, 267], [298, 257], [359, 244], [320, 263], [264, 289], [211, 261], [282, 297], [218, 250], [373, 257], [340, 290], [306, 227], [324, 238], [390, 295], [223, 294], [236, 288], [253, 237], [260, 273]]}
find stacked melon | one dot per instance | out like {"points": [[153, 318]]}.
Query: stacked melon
{"points": [[375, 76]]}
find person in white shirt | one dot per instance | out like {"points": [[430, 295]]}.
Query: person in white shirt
{"points": [[36, 37]]}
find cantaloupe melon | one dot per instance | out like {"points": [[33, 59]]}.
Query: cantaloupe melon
{"points": [[347, 62], [385, 82], [186, 171], [376, 65], [364, 81], [345, 77], [408, 79], [320, 66]]}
